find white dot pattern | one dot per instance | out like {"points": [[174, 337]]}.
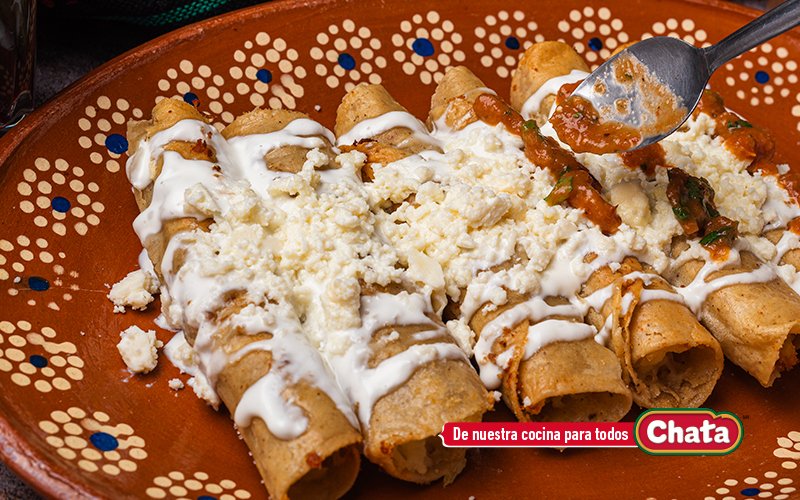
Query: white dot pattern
{"points": [[346, 54], [503, 38], [427, 45], [593, 33]]}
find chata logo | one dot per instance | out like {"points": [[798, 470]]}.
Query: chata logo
{"points": [[688, 431]]}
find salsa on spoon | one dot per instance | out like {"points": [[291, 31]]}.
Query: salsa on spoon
{"points": [[646, 91]]}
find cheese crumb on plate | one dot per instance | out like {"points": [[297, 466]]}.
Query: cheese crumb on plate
{"points": [[139, 349]]}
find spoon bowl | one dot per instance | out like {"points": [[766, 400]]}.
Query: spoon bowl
{"points": [[670, 75], [665, 58]]}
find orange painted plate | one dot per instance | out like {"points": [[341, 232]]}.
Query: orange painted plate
{"points": [[74, 423]]}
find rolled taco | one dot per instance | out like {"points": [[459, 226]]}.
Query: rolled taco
{"points": [[740, 299], [787, 250], [396, 362], [667, 363], [299, 427], [577, 380], [543, 69]]}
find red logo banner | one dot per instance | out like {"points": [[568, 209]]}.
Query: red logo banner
{"points": [[696, 431], [680, 431], [539, 434]]}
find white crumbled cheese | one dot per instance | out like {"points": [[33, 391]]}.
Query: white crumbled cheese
{"points": [[175, 384], [463, 334], [469, 211], [609, 169], [134, 290], [497, 396], [203, 390], [330, 244], [739, 195], [238, 252], [139, 349], [185, 359], [425, 270], [181, 354], [483, 206], [633, 205]]}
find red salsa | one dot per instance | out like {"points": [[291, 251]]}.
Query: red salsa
{"points": [[575, 185], [578, 123], [692, 200], [747, 142], [646, 159], [589, 130]]}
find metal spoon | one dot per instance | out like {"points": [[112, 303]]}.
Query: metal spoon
{"points": [[684, 69]]}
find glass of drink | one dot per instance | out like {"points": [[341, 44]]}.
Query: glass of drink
{"points": [[17, 58]]}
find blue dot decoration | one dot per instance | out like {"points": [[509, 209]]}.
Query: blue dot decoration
{"points": [[191, 98], [104, 441], [206, 497], [762, 77], [60, 204], [595, 44], [423, 47], [117, 143], [750, 492], [346, 61], [264, 75], [38, 284], [512, 43], [38, 360]]}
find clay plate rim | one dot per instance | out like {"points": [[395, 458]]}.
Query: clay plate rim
{"points": [[15, 451]]}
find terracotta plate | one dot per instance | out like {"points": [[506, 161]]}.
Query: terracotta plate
{"points": [[74, 423]]}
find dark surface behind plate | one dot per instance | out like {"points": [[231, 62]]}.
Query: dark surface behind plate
{"points": [[63, 148]]}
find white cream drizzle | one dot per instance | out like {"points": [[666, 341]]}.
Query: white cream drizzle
{"points": [[383, 123], [247, 152], [194, 295], [140, 166], [555, 330], [778, 208], [198, 296], [534, 309], [365, 385], [169, 201], [550, 87], [145, 264], [362, 385], [177, 174], [789, 241], [695, 293]]}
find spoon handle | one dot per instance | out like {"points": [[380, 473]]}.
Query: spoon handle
{"points": [[782, 18]]}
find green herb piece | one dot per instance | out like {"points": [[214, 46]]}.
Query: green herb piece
{"points": [[711, 211], [561, 191], [681, 213], [739, 124], [715, 235], [530, 125], [693, 189]]}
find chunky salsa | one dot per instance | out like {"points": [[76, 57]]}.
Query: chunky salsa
{"points": [[646, 159], [589, 130], [575, 185], [578, 123], [747, 142], [692, 200]]}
